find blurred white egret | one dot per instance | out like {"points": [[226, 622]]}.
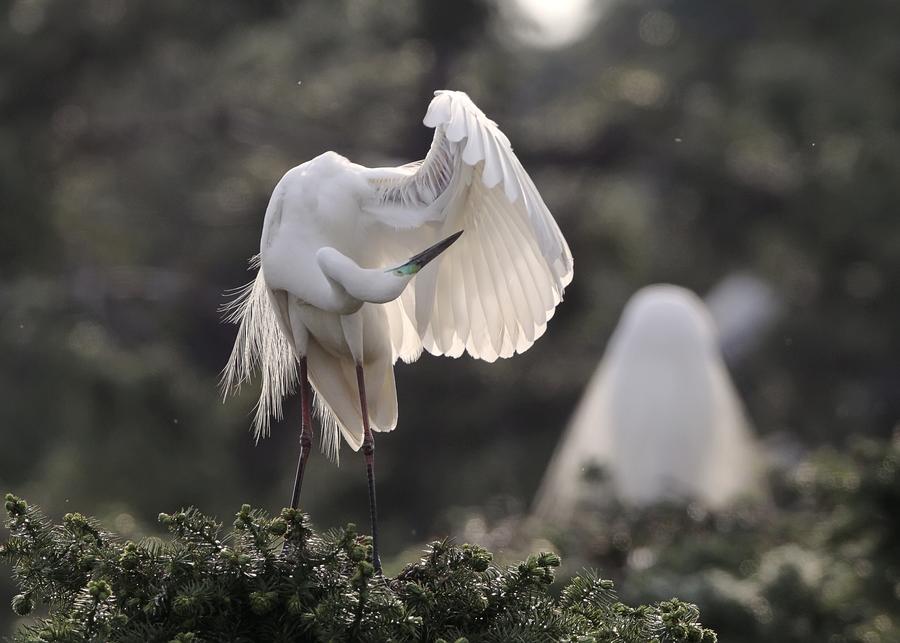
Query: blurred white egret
{"points": [[660, 414], [744, 308], [331, 294]]}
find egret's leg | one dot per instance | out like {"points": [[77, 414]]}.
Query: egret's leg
{"points": [[368, 448], [305, 431]]}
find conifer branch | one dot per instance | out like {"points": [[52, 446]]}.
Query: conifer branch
{"points": [[275, 579]]}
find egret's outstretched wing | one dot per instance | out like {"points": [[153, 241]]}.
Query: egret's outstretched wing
{"points": [[492, 294]]}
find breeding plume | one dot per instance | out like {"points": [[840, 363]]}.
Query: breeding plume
{"points": [[356, 271], [660, 415]]}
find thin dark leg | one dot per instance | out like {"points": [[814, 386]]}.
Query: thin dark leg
{"points": [[305, 431], [369, 452]]}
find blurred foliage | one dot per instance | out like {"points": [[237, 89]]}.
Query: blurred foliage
{"points": [[678, 142], [277, 580], [820, 562]]}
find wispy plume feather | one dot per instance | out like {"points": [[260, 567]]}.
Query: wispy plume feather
{"points": [[260, 344]]}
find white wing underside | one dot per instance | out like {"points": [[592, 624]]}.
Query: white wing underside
{"points": [[493, 292]]}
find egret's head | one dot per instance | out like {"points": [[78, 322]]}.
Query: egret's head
{"points": [[416, 263], [665, 323]]}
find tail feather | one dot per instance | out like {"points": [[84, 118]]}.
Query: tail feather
{"points": [[336, 403], [383, 409], [260, 344], [337, 397]]}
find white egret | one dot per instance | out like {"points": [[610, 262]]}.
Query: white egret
{"points": [[660, 414], [332, 306], [744, 308]]}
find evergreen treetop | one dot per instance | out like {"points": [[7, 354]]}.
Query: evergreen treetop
{"points": [[276, 579]]}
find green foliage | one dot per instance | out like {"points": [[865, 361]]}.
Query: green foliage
{"points": [[820, 562], [275, 579]]}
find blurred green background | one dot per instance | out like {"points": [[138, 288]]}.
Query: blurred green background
{"points": [[674, 141]]}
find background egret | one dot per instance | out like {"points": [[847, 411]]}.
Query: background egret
{"points": [[660, 416], [331, 296], [744, 309]]}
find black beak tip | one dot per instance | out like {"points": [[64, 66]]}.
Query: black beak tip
{"points": [[449, 241], [440, 246]]}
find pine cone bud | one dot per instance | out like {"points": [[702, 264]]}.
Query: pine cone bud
{"points": [[22, 604]]}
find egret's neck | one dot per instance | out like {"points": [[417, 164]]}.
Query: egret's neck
{"points": [[372, 285]]}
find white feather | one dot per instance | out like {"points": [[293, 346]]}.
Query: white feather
{"points": [[260, 344]]}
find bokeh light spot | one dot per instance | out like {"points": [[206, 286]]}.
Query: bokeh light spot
{"points": [[658, 28]]}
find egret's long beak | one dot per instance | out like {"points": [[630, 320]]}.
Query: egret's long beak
{"points": [[416, 263]]}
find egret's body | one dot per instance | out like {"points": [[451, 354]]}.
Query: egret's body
{"points": [[312, 227], [333, 293]]}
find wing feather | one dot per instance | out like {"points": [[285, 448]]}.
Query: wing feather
{"points": [[527, 275], [541, 297], [508, 280], [444, 293], [492, 294], [477, 316], [460, 307], [508, 300], [484, 343], [516, 254], [498, 292]]}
